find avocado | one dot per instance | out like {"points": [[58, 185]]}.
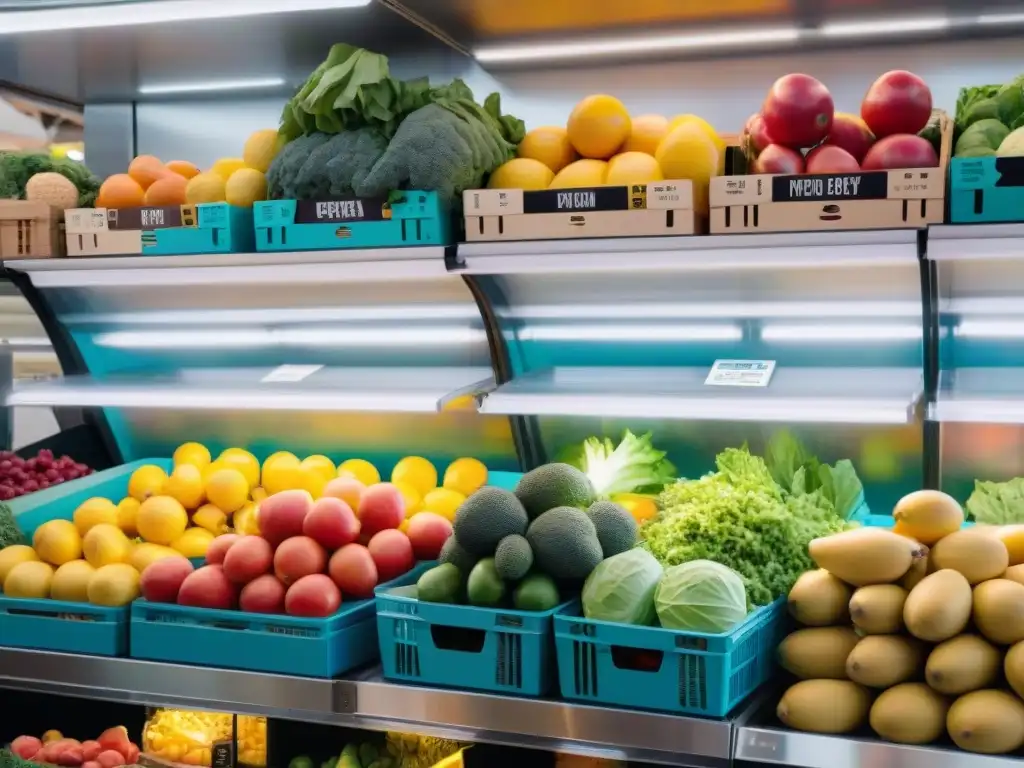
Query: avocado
{"points": [[513, 557], [440, 584], [485, 587], [616, 528], [536, 592], [565, 543], [554, 485], [454, 553], [486, 517]]}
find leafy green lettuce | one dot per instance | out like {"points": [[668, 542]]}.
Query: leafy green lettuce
{"points": [[632, 466], [798, 472], [997, 503]]}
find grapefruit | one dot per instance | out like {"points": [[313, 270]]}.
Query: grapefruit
{"points": [[632, 168], [598, 126], [548, 144], [582, 173], [688, 153], [798, 111], [897, 102], [646, 134], [521, 173]]}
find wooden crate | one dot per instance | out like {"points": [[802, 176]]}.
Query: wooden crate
{"points": [[29, 230], [901, 199], [659, 208]]}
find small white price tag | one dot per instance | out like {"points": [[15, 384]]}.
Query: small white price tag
{"points": [[286, 373], [740, 373]]}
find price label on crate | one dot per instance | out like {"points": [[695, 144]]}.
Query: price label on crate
{"points": [[222, 754], [740, 373]]}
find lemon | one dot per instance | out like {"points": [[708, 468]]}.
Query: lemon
{"points": [[12, 555], [411, 497], [416, 472], [244, 462], [145, 554], [548, 144], [582, 173], [646, 133], [632, 168], [105, 544], [245, 187], [186, 485], [443, 501], [228, 489], [279, 472], [30, 579], [709, 131], [321, 464], [305, 478], [206, 188], [193, 542], [161, 520], [196, 454], [94, 511], [127, 511], [688, 153], [113, 585], [57, 542], [245, 520], [260, 149], [598, 126], [212, 518], [226, 167], [465, 475], [361, 470], [521, 173], [148, 480], [258, 494], [71, 582]]}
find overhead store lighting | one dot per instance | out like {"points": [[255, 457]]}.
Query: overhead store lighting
{"points": [[990, 329], [1000, 18], [636, 333], [637, 44], [855, 333], [885, 27], [212, 86], [302, 337], [156, 12]]}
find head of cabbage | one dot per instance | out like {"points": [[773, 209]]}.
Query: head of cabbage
{"points": [[701, 596], [621, 588]]}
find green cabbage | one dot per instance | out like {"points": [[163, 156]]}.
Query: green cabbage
{"points": [[621, 588], [701, 596]]}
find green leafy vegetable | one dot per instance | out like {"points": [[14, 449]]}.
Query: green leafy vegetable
{"points": [[621, 588], [632, 466], [997, 503], [16, 168], [10, 533], [798, 472], [985, 134], [701, 596]]}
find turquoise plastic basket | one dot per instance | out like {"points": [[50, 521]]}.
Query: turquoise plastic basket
{"points": [[986, 189], [286, 645], [56, 625], [664, 669]]}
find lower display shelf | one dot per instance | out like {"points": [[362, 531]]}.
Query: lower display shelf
{"points": [[364, 700]]}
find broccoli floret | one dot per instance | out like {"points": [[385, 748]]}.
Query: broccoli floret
{"points": [[312, 181], [285, 168], [354, 161]]}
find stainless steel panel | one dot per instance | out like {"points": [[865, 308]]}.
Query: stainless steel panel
{"points": [[109, 138]]}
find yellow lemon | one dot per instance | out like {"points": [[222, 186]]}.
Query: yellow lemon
{"points": [[321, 464], [12, 555], [145, 554], [113, 585], [361, 470], [582, 173], [258, 494], [416, 472], [30, 579], [598, 126], [305, 479], [57, 542], [207, 187], [709, 131], [688, 153], [212, 518], [261, 148], [641, 507], [245, 520], [279, 472], [548, 144], [148, 480], [226, 167], [632, 168], [443, 501], [465, 475], [228, 489], [186, 485], [245, 187], [71, 582], [94, 511], [127, 511], [161, 520], [105, 544], [244, 462], [193, 542], [521, 173], [196, 454], [412, 498], [646, 134]]}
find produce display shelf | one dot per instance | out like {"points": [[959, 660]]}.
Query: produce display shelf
{"points": [[284, 388], [822, 395], [980, 395], [969, 242], [366, 701], [798, 250]]}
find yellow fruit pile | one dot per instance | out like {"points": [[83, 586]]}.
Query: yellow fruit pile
{"points": [[188, 737], [241, 180], [919, 638], [417, 479], [602, 145]]}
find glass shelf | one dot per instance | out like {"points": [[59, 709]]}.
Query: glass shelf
{"points": [[981, 395]]}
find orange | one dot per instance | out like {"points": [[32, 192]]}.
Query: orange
{"points": [[146, 169], [632, 168], [521, 173], [183, 168], [120, 191], [169, 190], [582, 173], [550, 145], [598, 126], [647, 132]]}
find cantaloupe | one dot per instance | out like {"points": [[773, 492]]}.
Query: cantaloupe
{"points": [[939, 607], [882, 661], [999, 611], [865, 556], [962, 664], [824, 706], [909, 713], [990, 722], [877, 609], [819, 599], [818, 652]]}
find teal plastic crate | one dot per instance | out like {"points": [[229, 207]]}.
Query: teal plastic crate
{"points": [[57, 625], [664, 669], [465, 646], [286, 645], [411, 217], [986, 189]]}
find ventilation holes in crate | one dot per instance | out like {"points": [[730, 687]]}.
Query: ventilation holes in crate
{"points": [[294, 631], [692, 681], [510, 660], [584, 665], [407, 655]]}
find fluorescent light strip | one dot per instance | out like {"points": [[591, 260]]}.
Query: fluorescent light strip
{"points": [[326, 337], [1000, 18], [162, 11], [636, 333], [885, 27], [637, 44], [708, 310], [841, 333], [207, 317], [990, 329], [211, 86]]}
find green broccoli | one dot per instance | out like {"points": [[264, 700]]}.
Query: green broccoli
{"points": [[16, 168], [311, 182], [355, 159], [285, 168]]}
